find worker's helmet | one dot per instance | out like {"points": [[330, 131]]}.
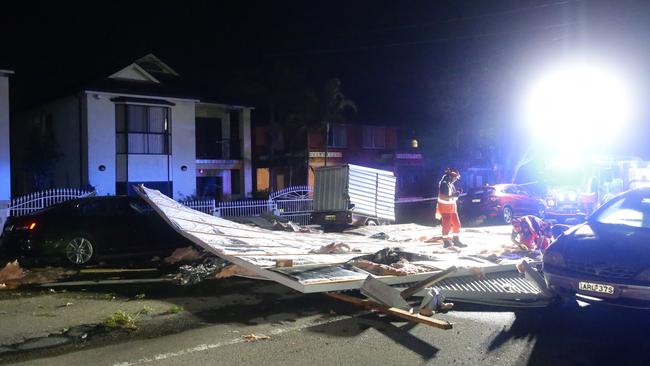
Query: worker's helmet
{"points": [[452, 173]]}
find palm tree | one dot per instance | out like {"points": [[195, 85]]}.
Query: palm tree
{"points": [[331, 107]]}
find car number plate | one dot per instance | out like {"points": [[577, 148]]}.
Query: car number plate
{"points": [[476, 200], [330, 217], [596, 287]]}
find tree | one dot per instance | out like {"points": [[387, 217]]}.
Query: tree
{"points": [[331, 106], [294, 108]]}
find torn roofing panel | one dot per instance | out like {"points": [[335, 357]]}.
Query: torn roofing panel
{"points": [[311, 262]]}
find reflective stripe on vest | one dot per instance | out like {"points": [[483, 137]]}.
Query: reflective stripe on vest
{"points": [[447, 202]]}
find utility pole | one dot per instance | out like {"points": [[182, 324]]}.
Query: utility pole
{"points": [[327, 136]]}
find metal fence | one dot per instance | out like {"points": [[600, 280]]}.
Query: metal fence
{"points": [[293, 203], [244, 208], [297, 210], [205, 206], [32, 202]]}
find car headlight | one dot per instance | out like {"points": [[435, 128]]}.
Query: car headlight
{"points": [[643, 276], [561, 196], [554, 259]]}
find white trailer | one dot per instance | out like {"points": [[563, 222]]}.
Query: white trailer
{"points": [[353, 195]]}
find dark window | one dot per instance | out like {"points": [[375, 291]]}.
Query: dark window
{"points": [[338, 136], [142, 129], [108, 207], [209, 144], [374, 137], [235, 181], [234, 125]]}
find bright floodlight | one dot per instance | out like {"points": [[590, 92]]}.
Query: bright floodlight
{"points": [[578, 106]]}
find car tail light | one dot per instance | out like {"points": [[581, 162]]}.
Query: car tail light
{"points": [[644, 276], [554, 259], [29, 225]]}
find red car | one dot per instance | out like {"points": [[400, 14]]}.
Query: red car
{"points": [[501, 202]]}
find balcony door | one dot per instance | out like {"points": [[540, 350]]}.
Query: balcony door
{"points": [[209, 142]]}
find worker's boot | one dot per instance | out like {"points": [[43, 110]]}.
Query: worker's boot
{"points": [[458, 243], [447, 243]]}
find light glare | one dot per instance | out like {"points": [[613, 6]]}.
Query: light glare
{"points": [[578, 106]]}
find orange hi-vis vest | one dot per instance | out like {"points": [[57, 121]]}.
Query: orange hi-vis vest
{"points": [[446, 206]]}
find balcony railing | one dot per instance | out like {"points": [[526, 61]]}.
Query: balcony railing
{"points": [[226, 149]]}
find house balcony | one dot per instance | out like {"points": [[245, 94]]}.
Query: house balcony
{"points": [[223, 154]]}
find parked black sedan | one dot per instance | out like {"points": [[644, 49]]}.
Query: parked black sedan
{"points": [[607, 258], [86, 230]]}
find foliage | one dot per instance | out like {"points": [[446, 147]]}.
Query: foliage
{"points": [[175, 309], [121, 319], [146, 310]]}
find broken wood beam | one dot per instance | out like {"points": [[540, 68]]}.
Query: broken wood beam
{"points": [[427, 282], [371, 305]]}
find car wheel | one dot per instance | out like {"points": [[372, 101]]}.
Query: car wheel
{"points": [[79, 250], [541, 212], [371, 223], [507, 215]]}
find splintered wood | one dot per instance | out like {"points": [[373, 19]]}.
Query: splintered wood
{"points": [[371, 305]]}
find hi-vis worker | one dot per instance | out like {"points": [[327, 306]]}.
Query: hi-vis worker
{"points": [[446, 210]]}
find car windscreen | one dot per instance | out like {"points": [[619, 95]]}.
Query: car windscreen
{"points": [[628, 210], [482, 191]]}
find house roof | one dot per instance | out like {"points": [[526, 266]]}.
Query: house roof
{"points": [[147, 76]]}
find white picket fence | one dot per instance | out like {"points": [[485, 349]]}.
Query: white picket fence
{"points": [[293, 203], [27, 204]]}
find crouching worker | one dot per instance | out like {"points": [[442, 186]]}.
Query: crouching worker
{"points": [[446, 210], [533, 233]]}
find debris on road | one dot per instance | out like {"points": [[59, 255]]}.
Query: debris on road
{"points": [[13, 275], [330, 262], [10, 275], [333, 248], [293, 227], [187, 254], [194, 273], [256, 337]]}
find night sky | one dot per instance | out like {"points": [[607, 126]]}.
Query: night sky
{"points": [[405, 63]]}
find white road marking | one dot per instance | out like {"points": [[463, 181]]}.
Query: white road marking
{"points": [[205, 347]]}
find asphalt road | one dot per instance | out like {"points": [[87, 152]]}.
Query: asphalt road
{"points": [[316, 330]]}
